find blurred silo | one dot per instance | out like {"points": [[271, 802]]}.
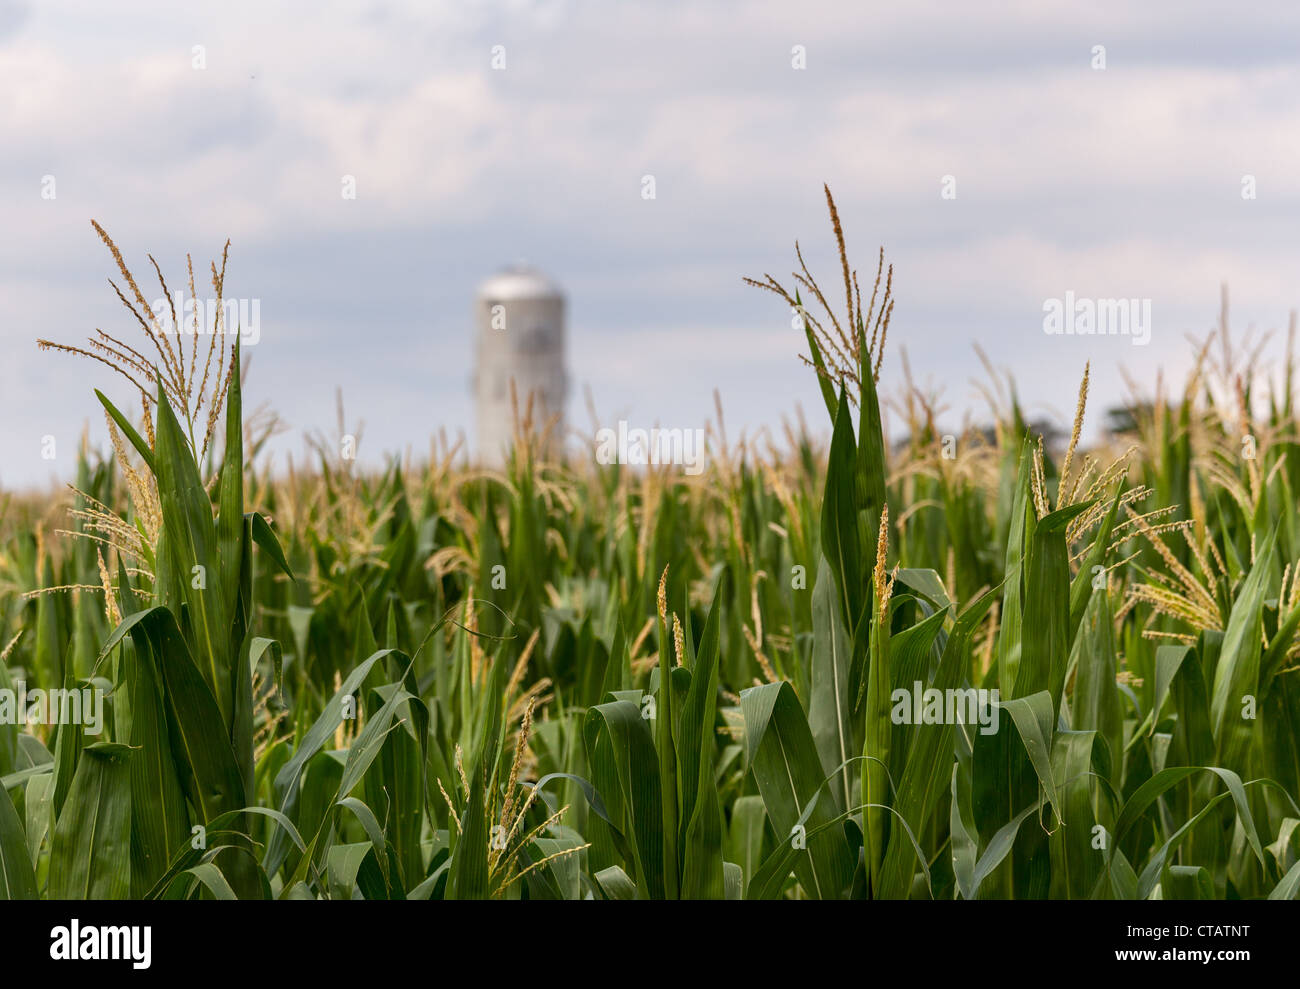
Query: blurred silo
{"points": [[519, 315]]}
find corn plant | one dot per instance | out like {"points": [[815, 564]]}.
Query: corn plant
{"points": [[966, 667]]}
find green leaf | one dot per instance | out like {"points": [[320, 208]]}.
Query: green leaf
{"points": [[624, 768], [1075, 863], [40, 798], [230, 517], [615, 884], [198, 736], [193, 576], [17, 879], [783, 757], [733, 882], [830, 710], [289, 778], [1237, 674], [1161, 782], [964, 836], [1289, 886], [468, 876], [129, 431], [701, 811], [839, 519], [745, 837], [1033, 718], [1095, 703], [1045, 638], [90, 856], [341, 867], [998, 847], [1188, 882], [214, 879], [1021, 521], [877, 786], [160, 821], [928, 769], [264, 536], [871, 466], [666, 749]]}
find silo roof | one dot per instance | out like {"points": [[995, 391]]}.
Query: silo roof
{"points": [[519, 281]]}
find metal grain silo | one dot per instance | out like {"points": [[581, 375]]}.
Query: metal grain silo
{"points": [[519, 315]]}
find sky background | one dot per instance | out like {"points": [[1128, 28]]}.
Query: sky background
{"points": [[1122, 182]]}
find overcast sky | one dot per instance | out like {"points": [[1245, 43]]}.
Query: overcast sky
{"points": [[1117, 182]]}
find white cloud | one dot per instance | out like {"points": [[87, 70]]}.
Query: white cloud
{"points": [[1125, 181]]}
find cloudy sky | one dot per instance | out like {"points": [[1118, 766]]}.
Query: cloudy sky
{"points": [[1117, 182]]}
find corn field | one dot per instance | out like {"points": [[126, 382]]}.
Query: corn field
{"points": [[957, 667]]}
